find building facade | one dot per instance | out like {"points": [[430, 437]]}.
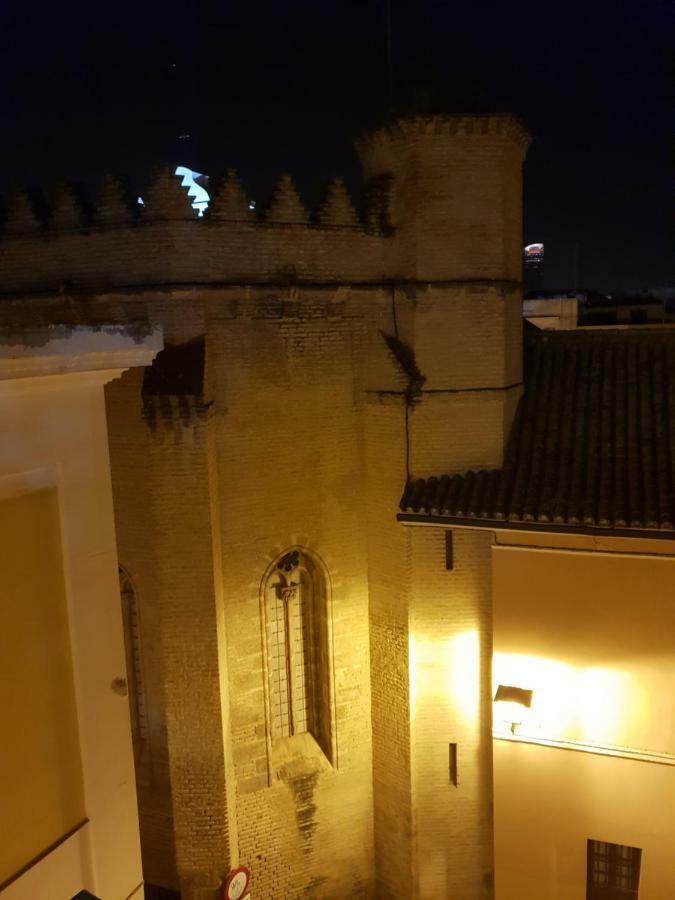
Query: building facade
{"points": [[309, 677], [68, 814]]}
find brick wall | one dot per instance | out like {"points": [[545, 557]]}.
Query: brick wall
{"points": [[286, 384], [190, 653], [163, 520], [309, 424], [455, 201], [389, 573], [129, 439], [451, 648]]}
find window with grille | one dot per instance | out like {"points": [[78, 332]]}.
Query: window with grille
{"points": [[297, 632], [132, 647], [613, 871]]}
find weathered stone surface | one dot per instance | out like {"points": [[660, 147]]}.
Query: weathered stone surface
{"points": [[337, 208], [229, 202], [286, 206], [300, 434], [112, 207]]}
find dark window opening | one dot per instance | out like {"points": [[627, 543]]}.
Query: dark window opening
{"points": [[612, 871]]}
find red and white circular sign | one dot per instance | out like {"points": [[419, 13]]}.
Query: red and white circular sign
{"points": [[237, 883]]}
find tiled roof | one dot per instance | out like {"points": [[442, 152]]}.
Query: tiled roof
{"points": [[591, 447]]}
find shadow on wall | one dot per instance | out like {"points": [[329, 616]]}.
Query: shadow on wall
{"points": [[152, 892]]}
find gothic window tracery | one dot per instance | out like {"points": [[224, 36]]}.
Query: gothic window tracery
{"points": [[297, 631]]}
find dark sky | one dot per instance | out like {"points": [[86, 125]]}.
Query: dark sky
{"points": [[271, 86]]}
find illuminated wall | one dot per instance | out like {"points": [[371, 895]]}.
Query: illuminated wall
{"points": [[67, 808], [591, 635], [40, 766], [450, 646]]}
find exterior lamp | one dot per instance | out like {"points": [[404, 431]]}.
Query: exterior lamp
{"points": [[513, 700]]}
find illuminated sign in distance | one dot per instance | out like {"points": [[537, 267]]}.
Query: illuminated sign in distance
{"points": [[534, 251]]}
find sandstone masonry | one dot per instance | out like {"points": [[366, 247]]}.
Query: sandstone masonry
{"points": [[319, 360]]}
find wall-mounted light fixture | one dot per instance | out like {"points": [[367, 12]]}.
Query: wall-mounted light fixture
{"points": [[513, 701]]}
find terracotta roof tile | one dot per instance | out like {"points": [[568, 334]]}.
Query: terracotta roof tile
{"points": [[591, 444]]}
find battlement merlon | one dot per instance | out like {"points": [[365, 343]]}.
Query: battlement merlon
{"points": [[443, 203]]}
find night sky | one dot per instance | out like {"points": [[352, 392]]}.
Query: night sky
{"points": [[266, 87]]}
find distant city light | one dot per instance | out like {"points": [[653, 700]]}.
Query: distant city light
{"points": [[140, 202], [534, 251]]}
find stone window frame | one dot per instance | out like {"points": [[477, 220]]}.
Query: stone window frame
{"points": [[307, 749]]}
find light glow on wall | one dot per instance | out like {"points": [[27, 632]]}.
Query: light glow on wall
{"points": [[445, 675], [589, 704], [464, 683]]}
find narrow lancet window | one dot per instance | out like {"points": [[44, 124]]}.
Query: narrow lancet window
{"points": [[297, 626]]}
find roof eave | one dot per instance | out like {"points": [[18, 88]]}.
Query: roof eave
{"points": [[667, 534]]}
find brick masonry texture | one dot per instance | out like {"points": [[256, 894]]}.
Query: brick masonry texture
{"points": [[451, 620], [309, 425]]}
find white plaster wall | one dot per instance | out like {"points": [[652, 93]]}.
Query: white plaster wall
{"points": [[592, 636], [54, 434], [548, 802]]}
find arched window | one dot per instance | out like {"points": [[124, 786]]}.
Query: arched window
{"points": [[297, 625], [132, 646]]}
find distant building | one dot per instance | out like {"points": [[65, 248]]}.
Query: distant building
{"points": [[561, 310], [553, 310], [645, 307]]}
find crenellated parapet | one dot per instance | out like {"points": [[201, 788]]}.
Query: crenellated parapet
{"points": [[20, 214], [113, 205], [408, 129], [229, 203], [165, 199], [63, 208], [286, 206], [337, 210], [442, 203], [454, 193], [114, 241], [66, 212]]}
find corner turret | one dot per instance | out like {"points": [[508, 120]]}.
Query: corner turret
{"points": [[455, 193]]}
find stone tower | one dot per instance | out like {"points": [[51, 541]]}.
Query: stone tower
{"points": [[453, 327], [314, 362]]}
